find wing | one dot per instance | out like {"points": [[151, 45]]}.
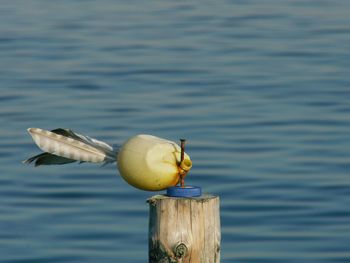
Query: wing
{"points": [[65, 146]]}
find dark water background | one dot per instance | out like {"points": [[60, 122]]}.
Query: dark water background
{"points": [[260, 89]]}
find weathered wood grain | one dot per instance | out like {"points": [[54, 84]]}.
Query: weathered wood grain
{"points": [[184, 230]]}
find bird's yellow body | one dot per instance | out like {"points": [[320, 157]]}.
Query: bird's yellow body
{"points": [[150, 163]]}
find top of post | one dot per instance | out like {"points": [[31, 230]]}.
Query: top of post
{"points": [[202, 198]]}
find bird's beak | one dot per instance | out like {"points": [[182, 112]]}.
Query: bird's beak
{"points": [[185, 165]]}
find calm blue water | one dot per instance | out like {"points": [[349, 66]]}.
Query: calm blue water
{"points": [[260, 89]]}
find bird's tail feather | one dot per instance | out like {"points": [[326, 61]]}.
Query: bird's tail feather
{"points": [[48, 159], [63, 146]]}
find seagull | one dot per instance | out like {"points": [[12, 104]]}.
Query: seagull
{"points": [[144, 161]]}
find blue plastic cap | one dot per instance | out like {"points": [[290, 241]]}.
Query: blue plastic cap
{"points": [[187, 191]]}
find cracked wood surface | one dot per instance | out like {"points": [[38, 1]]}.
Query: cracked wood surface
{"points": [[185, 230]]}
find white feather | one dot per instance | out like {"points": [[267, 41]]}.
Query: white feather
{"points": [[104, 147], [90, 150]]}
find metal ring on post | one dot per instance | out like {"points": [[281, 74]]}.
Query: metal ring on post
{"points": [[187, 191]]}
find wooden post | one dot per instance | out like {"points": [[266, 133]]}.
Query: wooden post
{"points": [[184, 230]]}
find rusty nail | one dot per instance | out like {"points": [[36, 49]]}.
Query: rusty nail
{"points": [[182, 176]]}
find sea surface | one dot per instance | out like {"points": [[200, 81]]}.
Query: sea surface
{"points": [[260, 89]]}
